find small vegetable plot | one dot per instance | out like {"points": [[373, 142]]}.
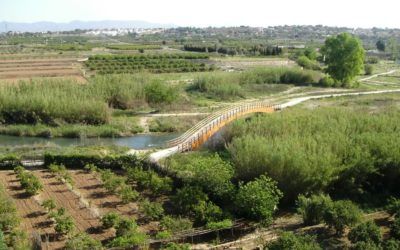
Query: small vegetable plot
{"points": [[162, 63]]}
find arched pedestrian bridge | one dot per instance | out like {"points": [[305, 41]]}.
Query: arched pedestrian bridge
{"points": [[202, 131]]}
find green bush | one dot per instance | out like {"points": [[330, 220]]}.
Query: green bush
{"points": [[127, 194], [187, 198], [342, 214], [369, 69], [209, 172], [49, 205], [291, 241], [159, 93], [28, 181], [395, 228], [391, 244], [163, 235], [64, 224], [207, 211], [344, 149], [312, 209], [367, 231], [306, 63], [130, 240], [327, 81], [258, 199], [9, 161], [8, 212], [125, 227], [151, 210], [393, 206], [82, 241], [81, 159], [176, 246], [227, 223], [110, 220], [175, 225], [366, 245]]}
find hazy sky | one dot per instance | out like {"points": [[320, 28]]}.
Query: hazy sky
{"points": [[351, 13]]}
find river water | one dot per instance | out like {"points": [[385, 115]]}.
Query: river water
{"points": [[140, 141]]}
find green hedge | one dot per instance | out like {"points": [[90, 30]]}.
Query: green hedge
{"points": [[9, 161], [80, 160]]}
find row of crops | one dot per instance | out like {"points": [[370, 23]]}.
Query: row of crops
{"points": [[159, 63]]}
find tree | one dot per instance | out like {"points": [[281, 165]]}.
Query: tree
{"points": [[393, 48], [344, 56], [367, 231], [313, 209], [341, 214], [380, 45], [258, 199], [291, 241]]}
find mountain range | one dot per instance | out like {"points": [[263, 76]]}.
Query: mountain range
{"points": [[53, 26]]}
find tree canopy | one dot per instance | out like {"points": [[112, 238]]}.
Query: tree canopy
{"points": [[344, 56]]}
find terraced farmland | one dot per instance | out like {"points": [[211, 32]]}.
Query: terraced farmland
{"points": [[27, 68]]}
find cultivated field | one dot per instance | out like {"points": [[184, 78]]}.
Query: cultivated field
{"points": [[27, 68]]}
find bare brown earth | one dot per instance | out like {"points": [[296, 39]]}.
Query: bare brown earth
{"points": [[101, 201], [85, 220], [34, 218], [23, 69]]}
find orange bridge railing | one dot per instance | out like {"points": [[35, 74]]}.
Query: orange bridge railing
{"points": [[206, 128]]}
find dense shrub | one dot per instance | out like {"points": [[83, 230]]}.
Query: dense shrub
{"points": [[369, 69], [310, 151], [81, 159], [50, 102], [148, 179], [175, 225], [342, 214], [393, 206], [8, 212], [9, 161], [209, 172], [395, 228], [367, 231], [159, 93], [151, 210], [291, 241], [82, 241], [125, 226], [258, 199], [64, 224], [392, 244], [130, 240], [29, 181], [186, 199], [110, 220], [306, 63], [313, 209], [227, 223], [327, 81]]}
